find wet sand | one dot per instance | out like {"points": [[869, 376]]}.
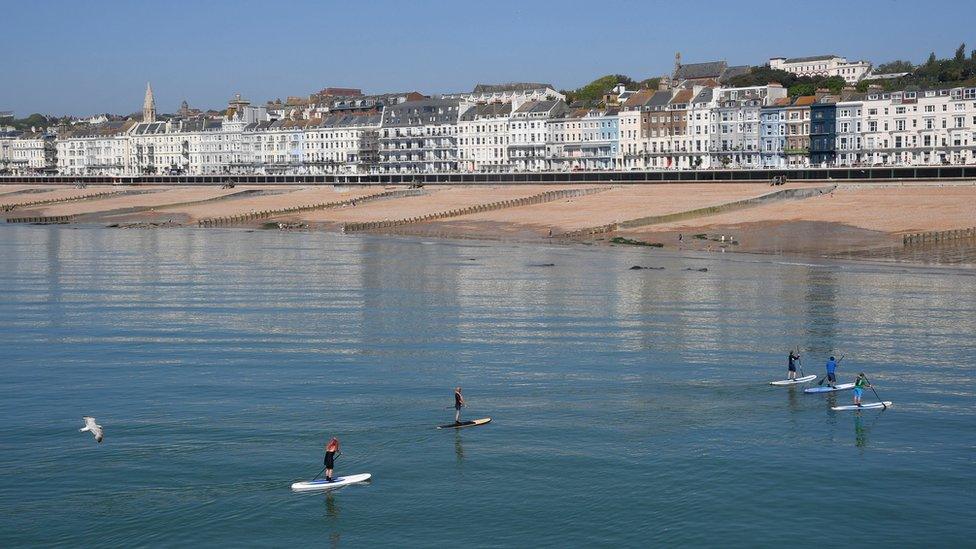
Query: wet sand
{"points": [[849, 219]]}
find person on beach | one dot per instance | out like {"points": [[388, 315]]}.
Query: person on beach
{"points": [[860, 384], [791, 364], [458, 404], [831, 372], [331, 451]]}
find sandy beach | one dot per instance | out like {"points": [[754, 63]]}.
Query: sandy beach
{"points": [[851, 218]]}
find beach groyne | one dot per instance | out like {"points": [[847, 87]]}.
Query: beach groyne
{"points": [[540, 198], [938, 236], [231, 220], [43, 219], [49, 201]]}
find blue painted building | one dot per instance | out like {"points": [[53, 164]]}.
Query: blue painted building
{"points": [[772, 134], [823, 131]]}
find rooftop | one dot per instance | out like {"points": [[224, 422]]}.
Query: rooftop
{"points": [[510, 86]]}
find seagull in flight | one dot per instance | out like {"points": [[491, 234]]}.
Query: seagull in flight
{"points": [[92, 427]]}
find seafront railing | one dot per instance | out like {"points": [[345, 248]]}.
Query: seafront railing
{"points": [[905, 173]]}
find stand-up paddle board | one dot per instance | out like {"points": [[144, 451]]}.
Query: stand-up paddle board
{"points": [[868, 406], [829, 389], [472, 423], [322, 484], [796, 381]]}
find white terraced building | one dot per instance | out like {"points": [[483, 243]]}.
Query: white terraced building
{"points": [[823, 65], [95, 150], [529, 132], [918, 127], [632, 151], [342, 143], [848, 142], [483, 138], [515, 93], [420, 137], [586, 139], [736, 130], [32, 153]]}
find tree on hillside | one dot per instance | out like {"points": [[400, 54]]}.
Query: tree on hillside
{"points": [[35, 120], [593, 92], [762, 75], [898, 65], [650, 83], [961, 52]]}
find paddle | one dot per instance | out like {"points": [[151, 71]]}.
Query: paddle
{"points": [[324, 468], [883, 405], [824, 378]]}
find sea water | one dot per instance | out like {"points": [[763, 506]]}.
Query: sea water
{"points": [[629, 407]]}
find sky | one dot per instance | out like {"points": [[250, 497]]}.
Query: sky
{"points": [[81, 58]]}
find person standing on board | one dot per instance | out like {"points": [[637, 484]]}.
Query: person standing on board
{"points": [[860, 384], [331, 450], [791, 364], [458, 404], [831, 372]]}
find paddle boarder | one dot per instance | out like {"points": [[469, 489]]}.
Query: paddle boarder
{"points": [[832, 372], [331, 450], [791, 364], [458, 404], [860, 384]]}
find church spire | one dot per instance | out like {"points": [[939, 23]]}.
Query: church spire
{"points": [[149, 105]]}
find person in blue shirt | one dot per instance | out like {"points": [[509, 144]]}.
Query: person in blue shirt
{"points": [[831, 372]]}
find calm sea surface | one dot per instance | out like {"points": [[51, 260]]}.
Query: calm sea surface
{"points": [[629, 407]]}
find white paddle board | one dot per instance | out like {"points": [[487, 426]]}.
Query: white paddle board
{"points": [[829, 389], [472, 423], [796, 381], [867, 406], [322, 484]]}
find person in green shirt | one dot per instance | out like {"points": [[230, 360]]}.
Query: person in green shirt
{"points": [[860, 384]]}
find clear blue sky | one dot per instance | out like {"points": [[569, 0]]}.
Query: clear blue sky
{"points": [[84, 57]]}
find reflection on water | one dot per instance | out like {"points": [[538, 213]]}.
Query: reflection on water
{"points": [[458, 447], [220, 359], [860, 434], [950, 252], [331, 509]]}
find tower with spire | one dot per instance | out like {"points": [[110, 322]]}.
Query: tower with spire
{"points": [[149, 105]]}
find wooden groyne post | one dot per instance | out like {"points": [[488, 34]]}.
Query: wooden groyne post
{"points": [[937, 236]]}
